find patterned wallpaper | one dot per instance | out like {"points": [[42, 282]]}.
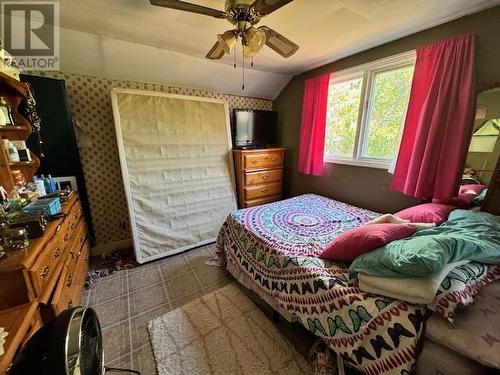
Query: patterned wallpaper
{"points": [[90, 103]]}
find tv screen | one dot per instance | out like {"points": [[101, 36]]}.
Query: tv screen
{"points": [[255, 128]]}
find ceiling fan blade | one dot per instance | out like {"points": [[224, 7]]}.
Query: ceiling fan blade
{"points": [[274, 40], [188, 7], [216, 52], [264, 7]]}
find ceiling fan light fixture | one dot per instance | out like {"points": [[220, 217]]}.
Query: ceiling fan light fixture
{"points": [[227, 40], [255, 40]]}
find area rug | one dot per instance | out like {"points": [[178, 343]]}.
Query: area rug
{"points": [[222, 333]]}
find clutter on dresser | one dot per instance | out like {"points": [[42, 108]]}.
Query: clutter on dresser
{"points": [[18, 177], [6, 117], [35, 224], [15, 239], [22, 150], [48, 206]]}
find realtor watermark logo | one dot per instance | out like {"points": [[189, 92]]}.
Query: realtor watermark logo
{"points": [[30, 33]]}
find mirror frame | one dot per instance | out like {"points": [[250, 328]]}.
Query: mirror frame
{"points": [[495, 179]]}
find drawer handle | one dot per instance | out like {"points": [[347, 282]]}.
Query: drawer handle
{"points": [[73, 254], [58, 228], [56, 254], [265, 177], [69, 281], [82, 238], [274, 160], [45, 272], [66, 237], [72, 226], [254, 161], [264, 190]]}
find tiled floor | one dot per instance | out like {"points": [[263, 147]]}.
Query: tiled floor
{"points": [[127, 300]]}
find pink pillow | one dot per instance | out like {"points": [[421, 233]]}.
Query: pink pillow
{"points": [[462, 201], [349, 245], [426, 213], [475, 189]]}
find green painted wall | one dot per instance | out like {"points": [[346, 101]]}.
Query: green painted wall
{"points": [[369, 187]]}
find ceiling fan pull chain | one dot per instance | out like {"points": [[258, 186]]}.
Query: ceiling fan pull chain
{"points": [[243, 70], [234, 56]]}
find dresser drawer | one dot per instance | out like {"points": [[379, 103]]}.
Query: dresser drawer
{"points": [[47, 263], [261, 201], [263, 177], [70, 222], [64, 295], [78, 238], [75, 247], [76, 212], [260, 191], [82, 265], [264, 160], [68, 291]]}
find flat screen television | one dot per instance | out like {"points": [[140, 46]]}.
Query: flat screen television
{"points": [[253, 129]]}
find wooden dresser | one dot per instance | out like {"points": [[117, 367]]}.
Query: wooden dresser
{"points": [[50, 273], [259, 175]]}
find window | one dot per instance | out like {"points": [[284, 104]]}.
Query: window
{"points": [[366, 110]]}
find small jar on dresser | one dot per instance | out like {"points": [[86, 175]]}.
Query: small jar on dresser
{"points": [[259, 175]]}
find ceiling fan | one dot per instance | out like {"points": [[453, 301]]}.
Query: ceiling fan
{"points": [[243, 14]]}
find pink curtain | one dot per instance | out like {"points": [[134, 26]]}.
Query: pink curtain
{"points": [[439, 120], [312, 130]]}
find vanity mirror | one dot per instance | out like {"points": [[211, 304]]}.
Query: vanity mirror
{"points": [[484, 150]]}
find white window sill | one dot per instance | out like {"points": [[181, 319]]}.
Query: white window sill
{"points": [[358, 163]]}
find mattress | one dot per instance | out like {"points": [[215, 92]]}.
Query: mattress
{"points": [[272, 250], [476, 332], [437, 359]]}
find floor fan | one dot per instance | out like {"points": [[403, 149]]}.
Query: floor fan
{"points": [[71, 344]]}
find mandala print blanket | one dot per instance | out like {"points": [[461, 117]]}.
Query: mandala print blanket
{"points": [[272, 249]]}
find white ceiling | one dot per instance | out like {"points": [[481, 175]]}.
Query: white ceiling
{"points": [[326, 30]]}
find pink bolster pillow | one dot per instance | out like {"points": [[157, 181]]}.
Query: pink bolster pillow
{"points": [[472, 189], [466, 196], [435, 213], [354, 242]]}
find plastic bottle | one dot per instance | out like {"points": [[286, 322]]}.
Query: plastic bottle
{"points": [[53, 184], [40, 186], [46, 184]]}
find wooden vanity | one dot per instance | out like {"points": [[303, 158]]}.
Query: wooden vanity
{"points": [[46, 278]]}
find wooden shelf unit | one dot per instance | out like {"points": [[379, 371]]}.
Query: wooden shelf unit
{"points": [[14, 93]]}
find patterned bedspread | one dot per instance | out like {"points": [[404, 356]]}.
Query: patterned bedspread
{"points": [[272, 249]]}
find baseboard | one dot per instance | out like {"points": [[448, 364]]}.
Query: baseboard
{"points": [[108, 247]]}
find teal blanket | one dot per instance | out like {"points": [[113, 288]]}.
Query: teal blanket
{"points": [[467, 235]]}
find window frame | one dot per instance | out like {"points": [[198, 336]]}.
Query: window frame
{"points": [[367, 72]]}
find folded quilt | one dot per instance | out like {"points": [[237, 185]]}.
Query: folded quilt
{"points": [[467, 235], [421, 290]]}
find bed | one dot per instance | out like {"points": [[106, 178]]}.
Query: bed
{"points": [[272, 250]]}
